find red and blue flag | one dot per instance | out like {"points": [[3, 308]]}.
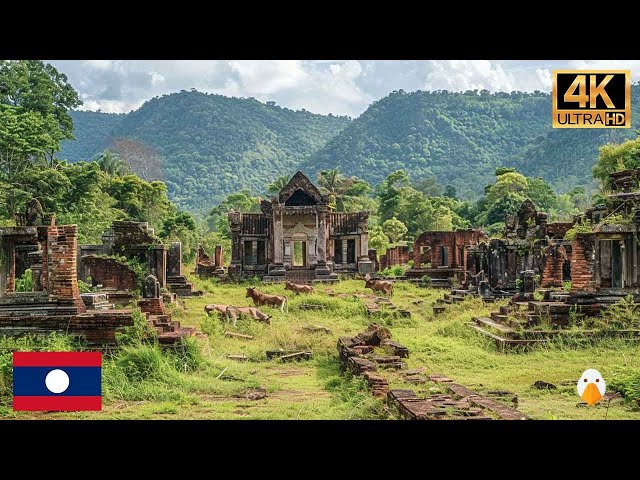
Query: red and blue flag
{"points": [[57, 381]]}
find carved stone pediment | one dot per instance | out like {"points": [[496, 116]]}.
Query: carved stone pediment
{"points": [[300, 228]]}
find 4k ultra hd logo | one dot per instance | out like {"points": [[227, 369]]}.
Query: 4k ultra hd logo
{"points": [[591, 99]]}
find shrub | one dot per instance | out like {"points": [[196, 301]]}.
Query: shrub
{"points": [[188, 355], [627, 382], [425, 281], [141, 362], [23, 282], [85, 287], [397, 271], [138, 332]]}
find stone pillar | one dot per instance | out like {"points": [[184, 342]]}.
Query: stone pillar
{"points": [[276, 269], [582, 263], [62, 283], [174, 260], [35, 260], [218, 257], [235, 225], [278, 244], [528, 281], [344, 244], [322, 239], [11, 268]]}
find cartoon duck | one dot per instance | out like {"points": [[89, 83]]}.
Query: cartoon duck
{"points": [[591, 386]]}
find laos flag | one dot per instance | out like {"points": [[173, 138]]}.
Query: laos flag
{"points": [[57, 381]]}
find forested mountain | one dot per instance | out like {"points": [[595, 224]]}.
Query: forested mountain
{"points": [[461, 137], [93, 132], [212, 145]]}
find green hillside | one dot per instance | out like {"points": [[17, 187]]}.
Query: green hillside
{"points": [[461, 137], [213, 145], [93, 132]]}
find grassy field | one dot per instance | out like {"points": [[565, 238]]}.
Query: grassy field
{"points": [[201, 383]]}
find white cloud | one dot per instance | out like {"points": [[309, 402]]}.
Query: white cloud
{"points": [[342, 87]]}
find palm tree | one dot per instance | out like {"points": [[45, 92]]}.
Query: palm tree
{"points": [[334, 184], [278, 184], [111, 163]]}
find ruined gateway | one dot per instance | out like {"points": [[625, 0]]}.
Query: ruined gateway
{"points": [[298, 238]]}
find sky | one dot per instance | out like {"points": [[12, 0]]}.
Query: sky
{"points": [[341, 87]]}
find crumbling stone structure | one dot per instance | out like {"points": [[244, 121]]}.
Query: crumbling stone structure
{"points": [[398, 255], [206, 266], [529, 244], [443, 255], [54, 304], [298, 238], [152, 306], [176, 281], [133, 240], [604, 264]]}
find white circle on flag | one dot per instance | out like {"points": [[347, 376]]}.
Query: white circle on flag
{"points": [[57, 381]]}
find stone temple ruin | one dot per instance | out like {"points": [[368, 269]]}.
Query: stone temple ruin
{"points": [[132, 240], [599, 258], [298, 238], [55, 303], [207, 267]]}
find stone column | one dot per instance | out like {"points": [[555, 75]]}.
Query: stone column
{"points": [[218, 258], [278, 244], [344, 250], [276, 269], [174, 260], [235, 225], [11, 267], [323, 220], [35, 261]]}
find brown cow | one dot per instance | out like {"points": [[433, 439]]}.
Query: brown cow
{"points": [[233, 313], [260, 299], [298, 288], [384, 286], [215, 307]]}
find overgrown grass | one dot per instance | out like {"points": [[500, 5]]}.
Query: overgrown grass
{"points": [[198, 380]]}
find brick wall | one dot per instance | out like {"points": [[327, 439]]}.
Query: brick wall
{"points": [[554, 256], [582, 277], [153, 306], [452, 241], [395, 256], [62, 282], [110, 273]]}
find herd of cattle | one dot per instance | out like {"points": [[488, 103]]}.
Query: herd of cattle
{"points": [[231, 312]]}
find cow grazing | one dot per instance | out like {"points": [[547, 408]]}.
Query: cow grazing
{"points": [[232, 313], [215, 307], [384, 286], [260, 299], [298, 288]]}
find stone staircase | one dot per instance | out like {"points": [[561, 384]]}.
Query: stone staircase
{"points": [[182, 287], [169, 331], [300, 277], [530, 322]]}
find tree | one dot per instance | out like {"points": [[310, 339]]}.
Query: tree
{"points": [[241, 201], [111, 163], [394, 229], [278, 184], [509, 183], [450, 191], [429, 186], [38, 88], [378, 240], [388, 193], [614, 158], [141, 158]]}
